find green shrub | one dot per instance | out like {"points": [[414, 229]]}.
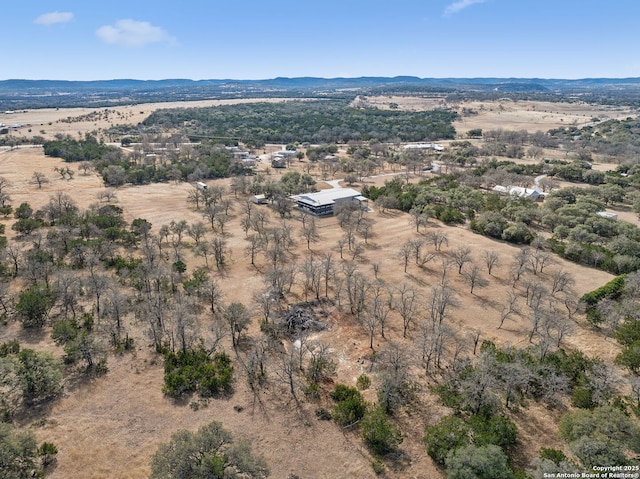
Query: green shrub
{"points": [[497, 430], [363, 383], [10, 347], [629, 357], [350, 405], [189, 371], [554, 455], [612, 290], [479, 462], [47, 452], [449, 396], [629, 332], [602, 436], [518, 233], [33, 305], [216, 377], [582, 397], [449, 434], [379, 434]]}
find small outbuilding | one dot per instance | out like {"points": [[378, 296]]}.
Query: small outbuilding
{"points": [[278, 162], [606, 214]]}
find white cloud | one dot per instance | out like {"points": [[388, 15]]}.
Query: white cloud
{"points": [[131, 33], [52, 18], [455, 7]]}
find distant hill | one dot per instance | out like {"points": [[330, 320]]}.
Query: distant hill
{"points": [[58, 93]]}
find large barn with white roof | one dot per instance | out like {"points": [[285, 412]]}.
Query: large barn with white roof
{"points": [[323, 202]]}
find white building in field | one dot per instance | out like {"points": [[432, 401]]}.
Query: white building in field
{"points": [[323, 202], [286, 153], [519, 191], [606, 214], [424, 146]]}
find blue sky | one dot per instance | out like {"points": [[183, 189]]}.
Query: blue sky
{"points": [[248, 39]]}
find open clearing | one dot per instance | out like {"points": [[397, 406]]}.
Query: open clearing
{"points": [[111, 425], [507, 114]]}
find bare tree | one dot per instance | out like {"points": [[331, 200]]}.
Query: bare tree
{"points": [[312, 273], [441, 300], [535, 292], [357, 286], [4, 195], [214, 297], [117, 304], [182, 327], [86, 167], [254, 246], [407, 307], [287, 371], [321, 364], [560, 281], [266, 302], [197, 231], [203, 249], [461, 256], [107, 195], [220, 251], [394, 366], [519, 264], [255, 365], [370, 322], [405, 253], [416, 247], [238, 318], [357, 251], [477, 386], [178, 229], [491, 259], [432, 340], [327, 271], [380, 304], [280, 279], [39, 178], [221, 220], [365, 229], [350, 237], [511, 307], [67, 287], [474, 278], [309, 230], [342, 243], [210, 213], [419, 218], [438, 238], [98, 281], [538, 259]]}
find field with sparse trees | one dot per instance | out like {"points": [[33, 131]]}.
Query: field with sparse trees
{"points": [[154, 328]]}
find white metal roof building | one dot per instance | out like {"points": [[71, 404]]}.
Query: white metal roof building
{"points": [[519, 191], [424, 146], [322, 202]]}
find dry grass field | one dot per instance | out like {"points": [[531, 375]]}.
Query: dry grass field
{"points": [[48, 122], [507, 114], [111, 425]]}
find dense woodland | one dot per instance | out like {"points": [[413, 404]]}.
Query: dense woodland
{"points": [[326, 121], [98, 285]]}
